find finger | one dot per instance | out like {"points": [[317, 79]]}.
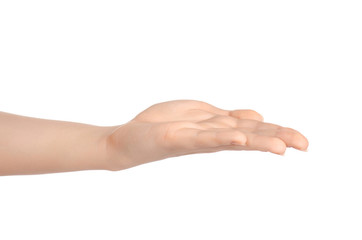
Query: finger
{"points": [[265, 143], [246, 114], [252, 125], [291, 137], [238, 113], [190, 138], [219, 121]]}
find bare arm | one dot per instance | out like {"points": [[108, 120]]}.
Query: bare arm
{"points": [[32, 145], [169, 129]]}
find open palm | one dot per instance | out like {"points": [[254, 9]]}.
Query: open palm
{"points": [[181, 127]]}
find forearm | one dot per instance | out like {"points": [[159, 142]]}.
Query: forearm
{"points": [[32, 145]]}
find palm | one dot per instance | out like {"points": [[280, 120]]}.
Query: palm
{"points": [[182, 127]]}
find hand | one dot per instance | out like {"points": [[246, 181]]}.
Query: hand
{"points": [[181, 127]]}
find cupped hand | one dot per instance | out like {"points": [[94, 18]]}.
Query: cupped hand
{"points": [[181, 127]]}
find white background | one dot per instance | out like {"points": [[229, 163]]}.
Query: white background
{"points": [[298, 63]]}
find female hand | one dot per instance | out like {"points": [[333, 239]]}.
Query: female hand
{"points": [[181, 127]]}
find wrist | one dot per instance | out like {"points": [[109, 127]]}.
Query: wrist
{"points": [[92, 148], [114, 158]]}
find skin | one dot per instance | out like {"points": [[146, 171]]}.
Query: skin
{"points": [[164, 130]]}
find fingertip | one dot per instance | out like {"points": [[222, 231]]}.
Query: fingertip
{"points": [[283, 153], [303, 146], [278, 146], [306, 145]]}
